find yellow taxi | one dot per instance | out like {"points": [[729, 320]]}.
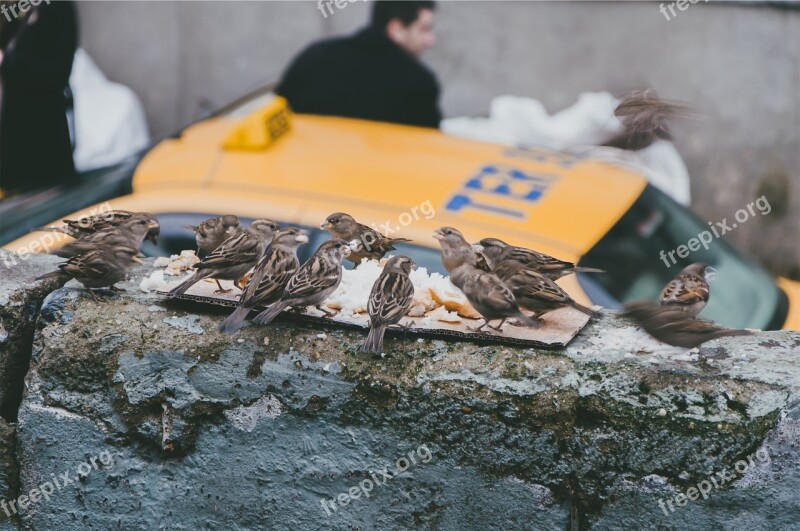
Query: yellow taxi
{"points": [[257, 160]]}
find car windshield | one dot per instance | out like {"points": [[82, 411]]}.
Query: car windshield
{"points": [[742, 293]]}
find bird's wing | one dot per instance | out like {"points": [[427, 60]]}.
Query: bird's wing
{"points": [[236, 250], [685, 290], [316, 275], [90, 265], [540, 261], [390, 298], [278, 268], [532, 284]]}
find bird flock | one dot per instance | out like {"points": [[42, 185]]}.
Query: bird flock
{"points": [[499, 280]]}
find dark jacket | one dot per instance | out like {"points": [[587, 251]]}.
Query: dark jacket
{"points": [[362, 76], [35, 147]]}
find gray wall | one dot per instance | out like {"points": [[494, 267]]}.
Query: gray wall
{"points": [[738, 64]]}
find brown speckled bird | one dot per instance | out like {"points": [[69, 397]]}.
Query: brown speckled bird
{"points": [[537, 293], [88, 225], [213, 232], [372, 244], [389, 301], [234, 258], [676, 327], [270, 276], [457, 251], [688, 291], [314, 282], [644, 118], [131, 232], [99, 268], [500, 255]]}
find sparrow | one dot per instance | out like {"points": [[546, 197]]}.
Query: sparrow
{"points": [[91, 224], [234, 258], [499, 255], [675, 326], [99, 268], [314, 282], [644, 120], [688, 291], [457, 251], [131, 232], [489, 296], [536, 292], [389, 301], [372, 244], [270, 276], [213, 232]]}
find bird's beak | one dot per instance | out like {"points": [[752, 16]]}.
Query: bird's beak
{"points": [[711, 273], [326, 225], [302, 238], [136, 259], [477, 248], [438, 234]]}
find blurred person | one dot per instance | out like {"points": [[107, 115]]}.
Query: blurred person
{"points": [[374, 74], [38, 46]]}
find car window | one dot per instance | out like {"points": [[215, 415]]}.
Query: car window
{"points": [[742, 293]]}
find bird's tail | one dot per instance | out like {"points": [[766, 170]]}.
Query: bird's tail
{"points": [[54, 274], [234, 320], [374, 341], [271, 313], [181, 288], [735, 332], [397, 240], [587, 270], [588, 311]]}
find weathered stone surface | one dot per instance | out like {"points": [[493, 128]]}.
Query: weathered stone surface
{"points": [[20, 299], [202, 430], [8, 473]]}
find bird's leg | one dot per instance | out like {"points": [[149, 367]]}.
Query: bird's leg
{"points": [[94, 295], [221, 289], [404, 328], [485, 322], [116, 288], [498, 327]]}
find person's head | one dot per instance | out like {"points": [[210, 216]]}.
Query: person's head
{"points": [[407, 24]]}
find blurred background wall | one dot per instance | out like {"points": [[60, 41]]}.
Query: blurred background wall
{"points": [[737, 63]]}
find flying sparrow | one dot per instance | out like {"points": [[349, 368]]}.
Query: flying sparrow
{"points": [[314, 282], [644, 119], [536, 292], [500, 255], [389, 300], [688, 291], [234, 258], [675, 326], [84, 226], [270, 276], [131, 232], [372, 244], [213, 232], [99, 268]]}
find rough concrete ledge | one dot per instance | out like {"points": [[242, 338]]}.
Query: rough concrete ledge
{"points": [[201, 430]]}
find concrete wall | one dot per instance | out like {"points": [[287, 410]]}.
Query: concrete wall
{"points": [[738, 64]]}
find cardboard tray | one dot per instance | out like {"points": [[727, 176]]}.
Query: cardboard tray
{"points": [[557, 330]]}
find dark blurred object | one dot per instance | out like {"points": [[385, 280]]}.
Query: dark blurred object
{"points": [[644, 116], [372, 75], [676, 327], [35, 146]]}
